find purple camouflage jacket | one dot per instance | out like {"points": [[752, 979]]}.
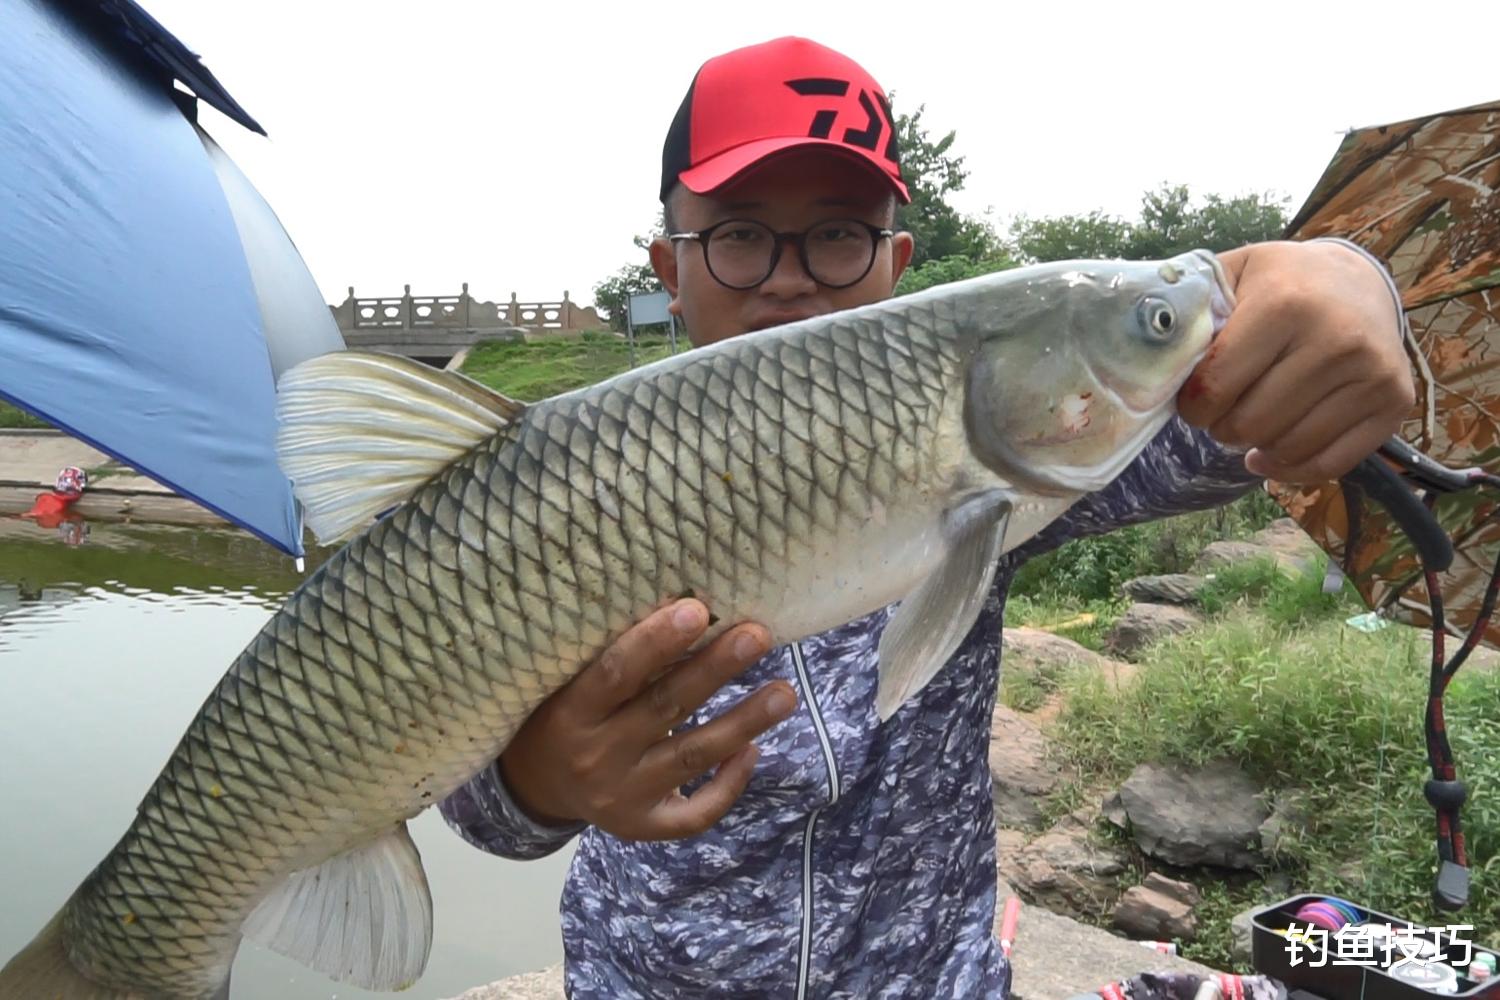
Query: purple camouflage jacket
{"points": [[860, 861]]}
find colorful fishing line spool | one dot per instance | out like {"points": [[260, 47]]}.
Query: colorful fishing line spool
{"points": [[1324, 914], [1348, 909]]}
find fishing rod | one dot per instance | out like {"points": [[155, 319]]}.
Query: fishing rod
{"points": [[1407, 484]]}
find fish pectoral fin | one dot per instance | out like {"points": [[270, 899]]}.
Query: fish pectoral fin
{"points": [[934, 618], [359, 433], [362, 917]]}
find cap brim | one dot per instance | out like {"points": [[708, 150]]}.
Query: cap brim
{"points": [[717, 171]]}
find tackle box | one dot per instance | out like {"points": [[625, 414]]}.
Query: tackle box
{"points": [[1359, 978]]}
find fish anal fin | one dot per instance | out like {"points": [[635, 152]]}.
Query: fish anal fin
{"points": [[362, 917]]}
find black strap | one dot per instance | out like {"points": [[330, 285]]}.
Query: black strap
{"points": [[1376, 479]]}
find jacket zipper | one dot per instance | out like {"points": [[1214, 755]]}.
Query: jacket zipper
{"points": [[804, 953]]}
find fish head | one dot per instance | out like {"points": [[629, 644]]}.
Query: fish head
{"points": [[1071, 379]]}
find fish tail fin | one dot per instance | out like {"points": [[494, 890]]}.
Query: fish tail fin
{"points": [[43, 971]]}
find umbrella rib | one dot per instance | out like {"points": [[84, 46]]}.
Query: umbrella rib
{"points": [[1429, 384]]}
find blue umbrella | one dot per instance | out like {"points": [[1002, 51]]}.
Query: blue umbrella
{"points": [[149, 298]]}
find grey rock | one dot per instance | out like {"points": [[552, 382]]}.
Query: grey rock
{"points": [[1032, 648], [1288, 819], [1056, 956], [1113, 809], [1176, 889], [1008, 845], [1171, 588], [1277, 886], [1285, 535], [1219, 555], [1208, 816], [1020, 773], [1241, 930], [1065, 870], [1143, 624], [1294, 548], [1159, 909], [544, 985]]}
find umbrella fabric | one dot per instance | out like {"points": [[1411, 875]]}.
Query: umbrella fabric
{"points": [[1424, 196], [148, 296]]}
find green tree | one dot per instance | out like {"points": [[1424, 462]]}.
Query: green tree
{"points": [[1071, 237], [932, 172], [948, 269], [636, 278], [1169, 223]]}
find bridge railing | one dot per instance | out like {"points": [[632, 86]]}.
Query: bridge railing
{"points": [[411, 313]]}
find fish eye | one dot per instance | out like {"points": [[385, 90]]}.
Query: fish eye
{"points": [[1159, 317]]}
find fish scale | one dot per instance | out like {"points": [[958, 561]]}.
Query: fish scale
{"points": [[749, 474]]}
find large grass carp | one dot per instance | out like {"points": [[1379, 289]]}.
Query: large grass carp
{"points": [[801, 477]]}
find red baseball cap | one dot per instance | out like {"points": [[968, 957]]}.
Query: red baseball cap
{"points": [[754, 102]]}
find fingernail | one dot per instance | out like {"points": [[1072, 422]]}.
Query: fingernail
{"points": [[747, 646], [688, 617], [780, 703]]}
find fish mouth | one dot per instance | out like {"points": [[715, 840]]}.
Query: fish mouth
{"points": [[1221, 298], [1221, 303]]}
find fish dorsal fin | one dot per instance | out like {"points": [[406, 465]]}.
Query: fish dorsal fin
{"points": [[359, 433], [362, 917], [934, 618]]}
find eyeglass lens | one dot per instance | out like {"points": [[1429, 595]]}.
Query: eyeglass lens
{"points": [[837, 253]]}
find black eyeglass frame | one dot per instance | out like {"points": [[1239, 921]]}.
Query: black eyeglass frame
{"points": [[702, 236]]}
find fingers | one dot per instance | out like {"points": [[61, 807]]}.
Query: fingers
{"points": [[685, 756], [1254, 336], [624, 669], [1330, 416], [1282, 399], [1309, 373], [674, 697], [679, 816], [1331, 462]]}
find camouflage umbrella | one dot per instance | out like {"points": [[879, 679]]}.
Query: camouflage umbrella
{"points": [[1424, 196]]}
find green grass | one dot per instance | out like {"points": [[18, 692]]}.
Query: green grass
{"points": [[11, 417], [1094, 568], [1029, 690], [1281, 598], [1084, 620], [1303, 702], [524, 370], [534, 370]]}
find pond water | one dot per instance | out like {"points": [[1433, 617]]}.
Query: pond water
{"points": [[108, 645]]}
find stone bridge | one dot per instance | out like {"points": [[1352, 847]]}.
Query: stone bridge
{"points": [[437, 328]]}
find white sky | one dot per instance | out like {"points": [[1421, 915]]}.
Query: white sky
{"points": [[517, 146]]}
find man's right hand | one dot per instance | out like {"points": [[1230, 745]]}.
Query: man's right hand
{"points": [[601, 749]]}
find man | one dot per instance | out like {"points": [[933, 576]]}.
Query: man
{"points": [[837, 856]]}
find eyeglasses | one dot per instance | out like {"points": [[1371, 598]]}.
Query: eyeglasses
{"points": [[741, 254]]}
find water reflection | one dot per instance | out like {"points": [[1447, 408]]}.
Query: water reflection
{"points": [[106, 652]]}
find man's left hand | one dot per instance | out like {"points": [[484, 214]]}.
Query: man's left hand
{"points": [[1310, 372]]}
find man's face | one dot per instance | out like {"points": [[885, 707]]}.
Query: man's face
{"points": [[788, 193]]}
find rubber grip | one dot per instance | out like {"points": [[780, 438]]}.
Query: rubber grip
{"points": [[1383, 485]]}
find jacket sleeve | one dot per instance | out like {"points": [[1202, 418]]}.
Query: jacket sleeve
{"points": [[484, 813], [1183, 469]]}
